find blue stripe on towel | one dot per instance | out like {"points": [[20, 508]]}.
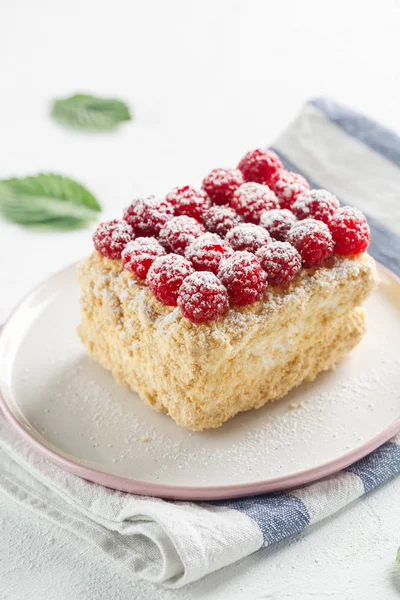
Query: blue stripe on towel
{"points": [[377, 467], [367, 131], [384, 246], [278, 515]]}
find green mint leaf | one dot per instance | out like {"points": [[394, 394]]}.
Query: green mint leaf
{"points": [[398, 555], [62, 224], [91, 113], [47, 200]]}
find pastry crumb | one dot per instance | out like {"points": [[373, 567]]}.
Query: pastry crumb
{"points": [[295, 405]]}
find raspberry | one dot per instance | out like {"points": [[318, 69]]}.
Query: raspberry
{"points": [[317, 204], [166, 276], [277, 222], [179, 232], [139, 255], [288, 186], [280, 261], [148, 215], [189, 201], [350, 231], [221, 183], [251, 199], [259, 165], [207, 251], [247, 236], [111, 237], [277, 175], [202, 297], [220, 219], [243, 277], [313, 240]]}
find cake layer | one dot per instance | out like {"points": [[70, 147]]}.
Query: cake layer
{"points": [[202, 375]]}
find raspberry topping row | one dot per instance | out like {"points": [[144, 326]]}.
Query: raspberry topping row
{"points": [[247, 228]]}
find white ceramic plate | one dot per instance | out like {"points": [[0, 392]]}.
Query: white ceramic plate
{"points": [[74, 412]]}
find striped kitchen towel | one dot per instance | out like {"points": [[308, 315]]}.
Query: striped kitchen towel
{"points": [[174, 543]]}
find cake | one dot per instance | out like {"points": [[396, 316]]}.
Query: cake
{"points": [[212, 302]]}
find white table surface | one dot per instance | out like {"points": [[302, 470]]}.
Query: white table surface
{"points": [[207, 80]]}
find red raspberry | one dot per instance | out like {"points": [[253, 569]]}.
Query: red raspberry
{"points": [[247, 236], [111, 237], [280, 261], [221, 183], [202, 297], [350, 231], [259, 165], [179, 232], [288, 186], [313, 240], [251, 199], [166, 276], [207, 251], [148, 215], [243, 277], [139, 255], [189, 201], [277, 222], [315, 204], [277, 175], [220, 219]]}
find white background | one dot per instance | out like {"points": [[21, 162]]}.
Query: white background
{"points": [[207, 81]]}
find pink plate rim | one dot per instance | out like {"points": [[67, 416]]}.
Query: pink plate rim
{"points": [[201, 493]]}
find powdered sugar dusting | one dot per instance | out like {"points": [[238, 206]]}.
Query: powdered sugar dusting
{"points": [[240, 320], [243, 277], [288, 186], [350, 231], [166, 275], [187, 200], [348, 211], [220, 219], [84, 402], [220, 184], [280, 261], [251, 199], [111, 237], [313, 240], [147, 215], [207, 251], [248, 236], [318, 204], [179, 232], [277, 222], [202, 297], [115, 422], [260, 165], [303, 228], [139, 254]]}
